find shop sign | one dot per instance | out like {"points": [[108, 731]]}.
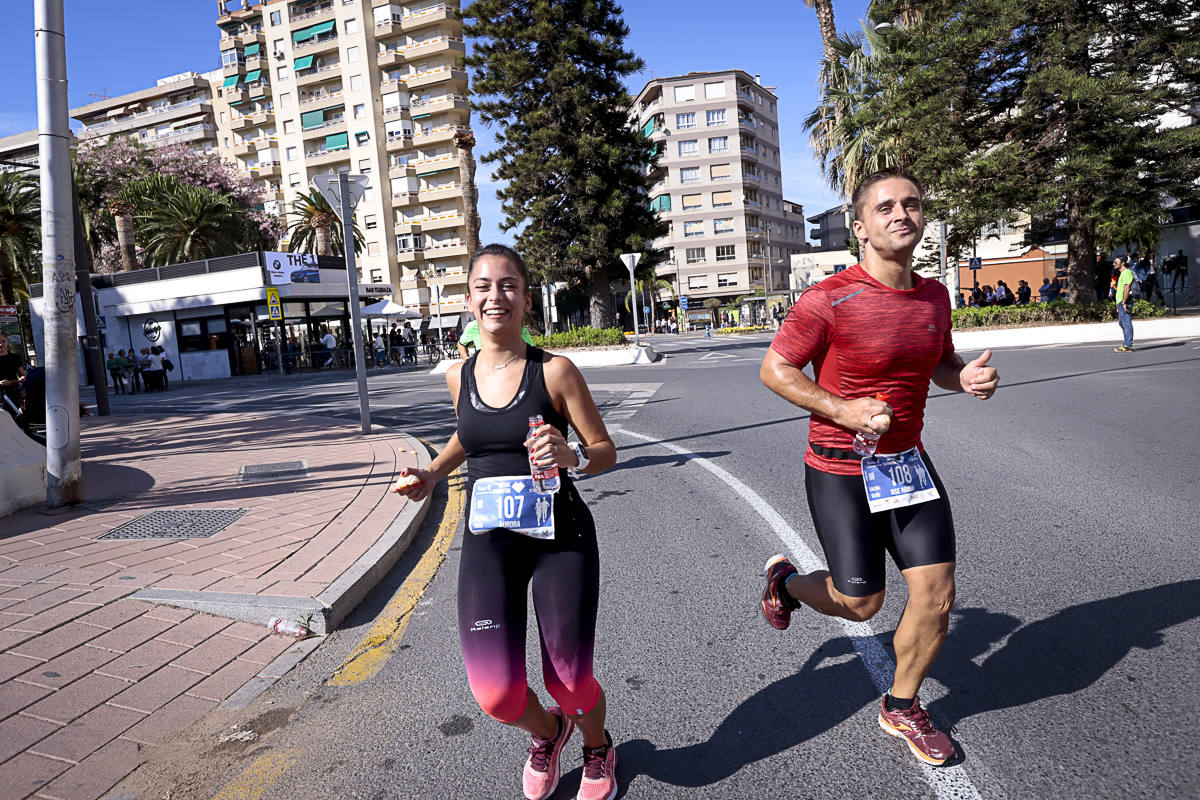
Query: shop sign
{"points": [[285, 268]]}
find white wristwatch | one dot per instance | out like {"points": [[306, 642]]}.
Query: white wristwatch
{"points": [[582, 455]]}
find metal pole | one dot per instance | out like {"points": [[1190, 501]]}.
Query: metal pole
{"points": [[360, 366], [91, 325], [637, 335], [680, 314], [64, 480], [279, 334]]}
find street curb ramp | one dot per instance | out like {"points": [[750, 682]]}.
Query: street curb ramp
{"points": [[330, 608]]}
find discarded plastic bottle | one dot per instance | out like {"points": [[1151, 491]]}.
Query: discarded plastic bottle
{"points": [[545, 479], [288, 628], [865, 443]]}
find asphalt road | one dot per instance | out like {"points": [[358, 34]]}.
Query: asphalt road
{"points": [[1069, 671]]}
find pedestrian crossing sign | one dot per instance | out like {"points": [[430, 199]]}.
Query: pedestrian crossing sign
{"points": [[274, 309]]}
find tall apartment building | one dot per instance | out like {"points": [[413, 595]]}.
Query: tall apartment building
{"points": [[370, 87], [176, 110], [719, 185]]}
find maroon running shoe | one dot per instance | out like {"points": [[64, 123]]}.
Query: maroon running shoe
{"points": [[914, 726], [777, 604]]}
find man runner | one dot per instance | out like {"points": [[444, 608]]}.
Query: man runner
{"points": [[876, 330]]}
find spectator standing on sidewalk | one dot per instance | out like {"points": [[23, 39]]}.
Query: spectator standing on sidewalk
{"points": [[132, 370], [1023, 293], [1125, 304], [12, 372], [155, 375], [116, 368], [1178, 270]]}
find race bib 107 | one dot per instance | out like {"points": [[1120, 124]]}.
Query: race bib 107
{"points": [[510, 503]]}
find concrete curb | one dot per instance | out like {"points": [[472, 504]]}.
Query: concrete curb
{"points": [[1092, 332], [334, 604], [616, 357]]}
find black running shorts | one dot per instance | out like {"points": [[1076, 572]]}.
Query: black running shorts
{"points": [[854, 539]]}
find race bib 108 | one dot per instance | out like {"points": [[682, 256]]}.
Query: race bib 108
{"points": [[895, 481]]}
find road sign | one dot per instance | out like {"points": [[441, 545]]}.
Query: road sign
{"points": [[274, 309], [975, 263], [630, 260], [8, 311], [327, 184], [683, 303], [645, 309]]}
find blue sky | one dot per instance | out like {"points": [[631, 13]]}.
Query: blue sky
{"points": [[118, 47]]}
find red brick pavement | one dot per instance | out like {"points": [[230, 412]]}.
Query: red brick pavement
{"points": [[91, 678]]}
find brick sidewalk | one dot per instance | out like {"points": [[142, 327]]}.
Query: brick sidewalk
{"points": [[91, 678]]}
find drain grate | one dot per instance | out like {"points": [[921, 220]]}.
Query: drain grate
{"points": [[280, 470], [177, 524]]}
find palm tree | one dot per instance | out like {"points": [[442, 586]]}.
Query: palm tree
{"points": [[849, 138], [20, 235], [189, 224], [122, 213], [316, 228], [464, 147], [829, 33]]}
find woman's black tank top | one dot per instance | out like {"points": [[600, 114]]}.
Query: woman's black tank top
{"points": [[493, 438]]}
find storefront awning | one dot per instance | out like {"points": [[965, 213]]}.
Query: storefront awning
{"points": [[303, 62]]}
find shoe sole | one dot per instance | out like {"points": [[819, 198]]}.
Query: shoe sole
{"points": [[775, 559], [916, 751]]}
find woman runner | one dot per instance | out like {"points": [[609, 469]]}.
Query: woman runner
{"points": [[495, 392]]}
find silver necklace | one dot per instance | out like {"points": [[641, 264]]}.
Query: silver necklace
{"points": [[513, 358]]}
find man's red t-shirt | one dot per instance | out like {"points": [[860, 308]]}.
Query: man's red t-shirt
{"points": [[863, 338]]}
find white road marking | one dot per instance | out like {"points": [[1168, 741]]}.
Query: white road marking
{"points": [[638, 394], [948, 783], [714, 356]]}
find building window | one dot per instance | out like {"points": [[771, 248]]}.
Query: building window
{"points": [[285, 100], [360, 110], [713, 91], [719, 172], [294, 179], [369, 222], [289, 126], [689, 174], [723, 225], [715, 116], [697, 281], [351, 55], [372, 248], [689, 147], [722, 199], [356, 83], [695, 255], [364, 166], [685, 93], [229, 58], [351, 26], [726, 252], [376, 276], [362, 137], [694, 228], [727, 279], [281, 72], [718, 144], [277, 46], [685, 121], [692, 201], [291, 154]]}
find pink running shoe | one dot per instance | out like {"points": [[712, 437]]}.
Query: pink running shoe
{"points": [[599, 772], [916, 729], [541, 768]]}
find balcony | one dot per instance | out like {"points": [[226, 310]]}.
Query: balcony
{"points": [[387, 27], [436, 75], [411, 225], [408, 256], [429, 47], [235, 94], [312, 77], [309, 99], [321, 158], [233, 69], [435, 105], [389, 57], [394, 113], [334, 125], [425, 166], [240, 123], [398, 142], [191, 133], [425, 18], [442, 133], [442, 221], [259, 89], [260, 117], [265, 169], [443, 191], [311, 17], [251, 37], [265, 142], [445, 249], [243, 148], [318, 44], [403, 199], [449, 277], [401, 171]]}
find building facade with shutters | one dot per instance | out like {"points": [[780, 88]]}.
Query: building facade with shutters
{"points": [[373, 88], [177, 110], [719, 186]]}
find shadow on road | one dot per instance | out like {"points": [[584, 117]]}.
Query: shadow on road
{"points": [[1062, 654]]}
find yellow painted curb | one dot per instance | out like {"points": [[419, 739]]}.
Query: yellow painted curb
{"points": [[386, 634], [254, 781]]}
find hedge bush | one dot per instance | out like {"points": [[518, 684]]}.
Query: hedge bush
{"points": [[1058, 311], [581, 337], [742, 329]]}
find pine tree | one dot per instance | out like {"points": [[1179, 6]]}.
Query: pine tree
{"points": [[549, 74]]}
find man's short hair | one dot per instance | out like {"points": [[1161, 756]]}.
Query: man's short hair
{"points": [[866, 183]]}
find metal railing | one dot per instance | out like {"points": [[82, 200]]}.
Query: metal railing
{"points": [[148, 113]]}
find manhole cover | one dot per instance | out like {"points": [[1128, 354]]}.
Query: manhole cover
{"points": [[280, 470], [177, 524]]}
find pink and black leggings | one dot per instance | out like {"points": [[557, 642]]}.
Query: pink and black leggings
{"points": [[493, 580]]}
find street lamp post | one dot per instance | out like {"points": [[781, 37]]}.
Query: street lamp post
{"points": [[343, 192]]}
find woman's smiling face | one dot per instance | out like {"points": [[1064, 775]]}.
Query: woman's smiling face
{"points": [[498, 295]]}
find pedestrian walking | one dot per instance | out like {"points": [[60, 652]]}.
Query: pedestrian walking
{"points": [[330, 345], [890, 329], [496, 393], [380, 351], [1125, 303]]}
